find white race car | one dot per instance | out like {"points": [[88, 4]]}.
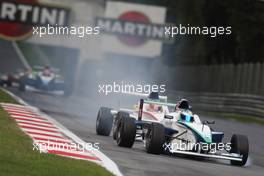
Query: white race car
{"points": [[170, 128]]}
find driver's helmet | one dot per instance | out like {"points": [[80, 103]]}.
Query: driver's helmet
{"points": [[46, 71], [183, 104]]}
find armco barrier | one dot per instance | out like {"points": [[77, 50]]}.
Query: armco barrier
{"points": [[246, 78], [240, 104]]}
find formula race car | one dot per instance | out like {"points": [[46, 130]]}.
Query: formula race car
{"points": [[4, 81], [11, 79], [44, 79], [170, 128]]}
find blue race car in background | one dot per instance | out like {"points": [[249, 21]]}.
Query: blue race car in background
{"points": [[44, 79]]}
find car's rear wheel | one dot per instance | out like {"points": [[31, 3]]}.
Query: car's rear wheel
{"points": [[104, 121], [119, 115], [240, 145], [155, 138], [126, 132]]}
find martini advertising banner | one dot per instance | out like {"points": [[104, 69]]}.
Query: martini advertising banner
{"points": [[18, 17], [133, 29]]}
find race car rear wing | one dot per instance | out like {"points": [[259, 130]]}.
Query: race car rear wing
{"points": [[163, 98], [38, 68], [142, 101], [160, 103]]}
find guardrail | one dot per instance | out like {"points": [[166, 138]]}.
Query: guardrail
{"points": [[246, 78], [241, 104]]}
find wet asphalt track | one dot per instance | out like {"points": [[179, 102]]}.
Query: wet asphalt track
{"points": [[78, 114]]}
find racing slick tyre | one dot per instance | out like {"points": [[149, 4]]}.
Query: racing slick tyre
{"points": [[9, 83], [239, 145], [104, 121], [155, 138], [119, 115], [126, 132]]}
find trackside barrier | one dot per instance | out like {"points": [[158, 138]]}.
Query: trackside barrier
{"points": [[240, 104], [244, 78]]}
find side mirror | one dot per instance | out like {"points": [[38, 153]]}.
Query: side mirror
{"points": [[168, 117]]}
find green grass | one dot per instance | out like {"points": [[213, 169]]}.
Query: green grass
{"points": [[5, 98], [18, 158], [236, 117]]}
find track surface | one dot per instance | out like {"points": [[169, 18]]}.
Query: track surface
{"points": [[78, 114]]}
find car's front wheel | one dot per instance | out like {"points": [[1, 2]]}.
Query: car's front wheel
{"points": [[104, 121], [240, 145]]}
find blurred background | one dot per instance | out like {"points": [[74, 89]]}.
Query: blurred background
{"points": [[223, 74]]}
